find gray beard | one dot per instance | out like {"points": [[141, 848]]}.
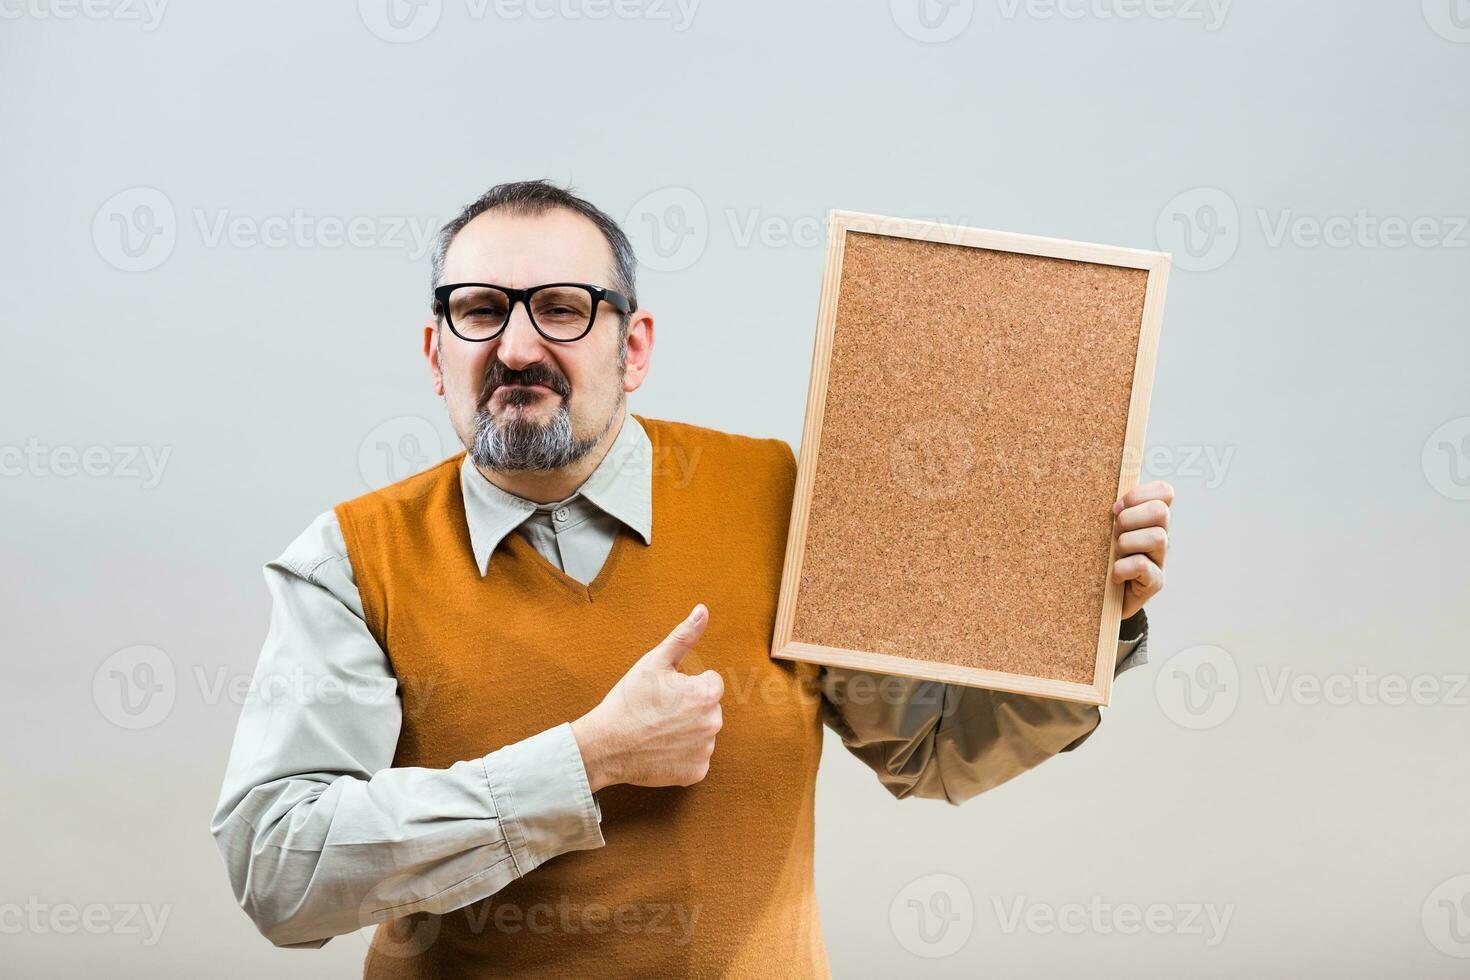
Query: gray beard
{"points": [[526, 445]]}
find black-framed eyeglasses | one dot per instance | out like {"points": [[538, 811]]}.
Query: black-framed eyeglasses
{"points": [[560, 311]]}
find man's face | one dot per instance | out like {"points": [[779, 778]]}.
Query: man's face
{"points": [[521, 401]]}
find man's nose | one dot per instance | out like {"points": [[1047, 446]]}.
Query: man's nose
{"points": [[520, 344]]}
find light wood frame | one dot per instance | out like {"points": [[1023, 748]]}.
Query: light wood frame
{"points": [[839, 224]]}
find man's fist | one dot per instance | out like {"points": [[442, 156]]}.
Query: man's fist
{"points": [[1141, 525], [657, 726]]}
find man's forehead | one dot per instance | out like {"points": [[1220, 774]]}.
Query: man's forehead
{"points": [[525, 249]]}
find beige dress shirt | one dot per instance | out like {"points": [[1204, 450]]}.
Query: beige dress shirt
{"points": [[316, 825]]}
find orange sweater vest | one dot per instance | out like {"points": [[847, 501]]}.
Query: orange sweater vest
{"points": [[710, 880]]}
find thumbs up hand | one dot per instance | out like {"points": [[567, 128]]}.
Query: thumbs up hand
{"points": [[657, 726]]}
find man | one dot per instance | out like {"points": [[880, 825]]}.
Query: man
{"points": [[563, 631]]}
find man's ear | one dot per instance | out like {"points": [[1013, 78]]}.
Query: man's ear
{"points": [[640, 348], [431, 354]]}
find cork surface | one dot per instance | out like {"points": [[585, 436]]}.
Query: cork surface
{"points": [[970, 449]]}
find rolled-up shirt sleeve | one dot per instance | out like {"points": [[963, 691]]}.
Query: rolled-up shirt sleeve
{"points": [[941, 741], [320, 834]]}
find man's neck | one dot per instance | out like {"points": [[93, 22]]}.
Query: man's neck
{"points": [[545, 486]]}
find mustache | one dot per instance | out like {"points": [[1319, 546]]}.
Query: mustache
{"points": [[535, 374]]}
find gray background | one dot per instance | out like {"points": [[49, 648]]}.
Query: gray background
{"points": [[1328, 380]]}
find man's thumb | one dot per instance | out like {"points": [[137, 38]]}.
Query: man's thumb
{"points": [[671, 652]]}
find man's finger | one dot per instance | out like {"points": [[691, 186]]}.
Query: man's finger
{"points": [[1150, 513], [1150, 541], [714, 684], [1155, 490], [674, 647], [1138, 569]]}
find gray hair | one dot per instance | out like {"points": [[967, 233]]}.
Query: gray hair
{"points": [[531, 197], [520, 445]]}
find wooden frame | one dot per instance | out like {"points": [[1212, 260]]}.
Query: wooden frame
{"points": [[840, 224]]}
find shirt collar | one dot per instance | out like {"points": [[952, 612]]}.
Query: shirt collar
{"points": [[621, 485]]}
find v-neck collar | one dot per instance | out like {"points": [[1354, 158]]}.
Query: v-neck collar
{"points": [[529, 554]]}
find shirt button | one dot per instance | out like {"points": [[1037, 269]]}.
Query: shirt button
{"points": [[561, 513]]}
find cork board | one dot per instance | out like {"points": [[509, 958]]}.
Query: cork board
{"points": [[978, 401]]}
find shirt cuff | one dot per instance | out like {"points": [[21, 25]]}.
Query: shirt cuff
{"points": [[1132, 643], [541, 793]]}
